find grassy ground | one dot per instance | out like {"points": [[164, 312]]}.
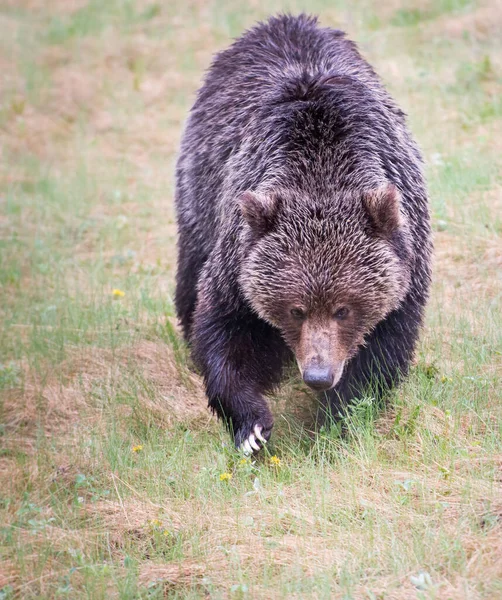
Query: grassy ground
{"points": [[115, 481]]}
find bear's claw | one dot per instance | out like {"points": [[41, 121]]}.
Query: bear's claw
{"points": [[250, 445], [257, 431]]}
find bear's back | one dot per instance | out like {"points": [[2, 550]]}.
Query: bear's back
{"points": [[254, 70], [268, 112]]}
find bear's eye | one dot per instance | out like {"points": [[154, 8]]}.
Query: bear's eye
{"points": [[341, 314], [297, 313]]}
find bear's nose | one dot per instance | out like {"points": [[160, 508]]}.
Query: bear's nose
{"points": [[318, 378]]}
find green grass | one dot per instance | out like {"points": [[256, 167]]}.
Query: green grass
{"points": [[409, 17], [115, 481]]}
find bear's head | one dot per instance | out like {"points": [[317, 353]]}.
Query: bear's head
{"points": [[324, 271]]}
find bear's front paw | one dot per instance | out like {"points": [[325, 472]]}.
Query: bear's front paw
{"points": [[250, 440]]}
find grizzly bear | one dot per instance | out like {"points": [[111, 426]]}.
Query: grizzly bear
{"points": [[303, 224]]}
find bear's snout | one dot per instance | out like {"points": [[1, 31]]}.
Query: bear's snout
{"points": [[319, 378], [322, 378]]}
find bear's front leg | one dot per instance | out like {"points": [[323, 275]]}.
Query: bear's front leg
{"points": [[383, 361], [241, 359]]}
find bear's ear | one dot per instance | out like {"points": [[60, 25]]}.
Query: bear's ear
{"points": [[382, 206], [259, 211]]}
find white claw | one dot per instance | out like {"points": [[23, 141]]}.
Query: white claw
{"points": [[252, 442], [246, 448], [257, 431]]}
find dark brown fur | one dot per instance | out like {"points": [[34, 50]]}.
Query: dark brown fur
{"points": [[303, 221]]}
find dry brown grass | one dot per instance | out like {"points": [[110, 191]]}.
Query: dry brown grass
{"points": [[63, 403], [174, 577], [483, 22]]}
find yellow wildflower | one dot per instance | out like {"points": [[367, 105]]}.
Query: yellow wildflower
{"points": [[275, 460], [243, 461], [137, 448], [225, 476], [155, 523], [165, 532], [118, 293]]}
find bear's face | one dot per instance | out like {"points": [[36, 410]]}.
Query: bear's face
{"points": [[324, 276]]}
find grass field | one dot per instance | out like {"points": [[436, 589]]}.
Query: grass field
{"points": [[115, 480]]}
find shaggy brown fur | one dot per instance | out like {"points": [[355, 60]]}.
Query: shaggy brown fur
{"points": [[303, 221]]}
